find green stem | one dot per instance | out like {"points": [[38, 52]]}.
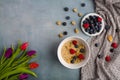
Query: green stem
{"points": [[3, 55], [16, 63], [16, 53], [19, 70], [23, 54], [2, 66], [6, 70]]}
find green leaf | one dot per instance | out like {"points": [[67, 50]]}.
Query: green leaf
{"points": [[19, 70]]}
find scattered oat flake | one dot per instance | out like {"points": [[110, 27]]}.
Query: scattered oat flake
{"points": [[59, 23], [75, 10], [79, 14], [60, 35], [76, 30], [73, 23], [110, 38]]}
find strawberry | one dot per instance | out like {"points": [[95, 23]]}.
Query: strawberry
{"points": [[99, 19], [74, 42], [72, 51], [114, 45], [81, 56], [108, 58], [86, 25]]}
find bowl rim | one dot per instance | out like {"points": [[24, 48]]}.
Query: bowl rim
{"points": [[103, 24], [63, 62]]}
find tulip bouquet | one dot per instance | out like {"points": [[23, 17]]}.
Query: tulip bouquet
{"points": [[15, 63]]}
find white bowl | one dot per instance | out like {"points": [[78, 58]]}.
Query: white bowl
{"points": [[74, 66], [86, 16]]}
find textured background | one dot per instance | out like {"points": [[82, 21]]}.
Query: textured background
{"points": [[34, 21]]}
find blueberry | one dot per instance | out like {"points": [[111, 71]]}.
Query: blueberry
{"points": [[66, 9], [99, 25], [91, 31], [91, 21], [82, 50], [85, 21], [92, 25], [87, 30], [117, 30], [74, 57], [111, 50], [99, 22], [94, 17], [72, 61], [67, 17], [91, 17], [99, 56], [65, 32], [96, 44], [94, 31], [64, 23], [76, 46], [107, 27], [82, 4], [96, 24], [98, 29]]}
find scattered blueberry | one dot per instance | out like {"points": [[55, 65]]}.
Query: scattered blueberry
{"points": [[76, 46], [64, 23], [96, 44], [66, 9], [112, 50], [99, 56], [82, 4], [67, 17], [65, 32], [72, 61], [117, 30], [82, 50], [107, 27]]}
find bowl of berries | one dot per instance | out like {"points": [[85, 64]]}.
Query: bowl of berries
{"points": [[92, 24], [73, 52]]}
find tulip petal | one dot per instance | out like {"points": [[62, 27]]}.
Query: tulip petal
{"points": [[24, 46], [8, 53], [31, 52]]}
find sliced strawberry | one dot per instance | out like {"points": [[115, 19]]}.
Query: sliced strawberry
{"points": [[81, 56], [86, 25], [72, 51], [99, 19], [74, 42]]}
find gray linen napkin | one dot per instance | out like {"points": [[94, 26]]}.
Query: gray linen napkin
{"points": [[98, 68]]}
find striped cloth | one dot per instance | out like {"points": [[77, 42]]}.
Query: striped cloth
{"points": [[98, 68]]}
